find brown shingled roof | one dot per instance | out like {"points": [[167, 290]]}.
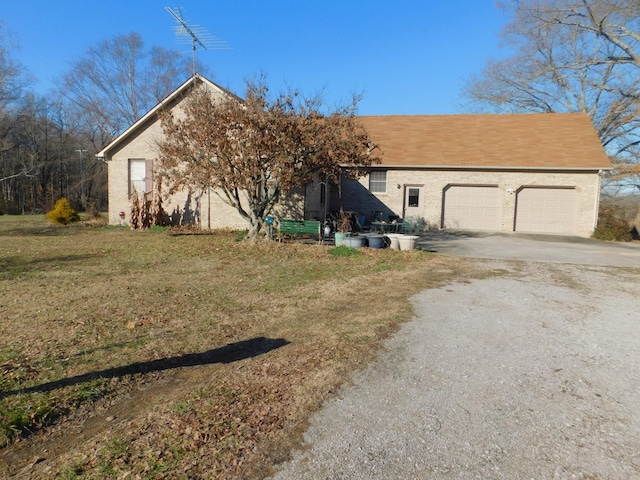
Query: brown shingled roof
{"points": [[547, 140]]}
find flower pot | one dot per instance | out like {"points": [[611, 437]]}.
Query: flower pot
{"points": [[407, 242], [354, 242], [375, 241], [393, 240], [339, 237]]}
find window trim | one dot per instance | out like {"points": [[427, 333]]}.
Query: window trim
{"points": [[417, 196], [376, 184], [147, 179]]}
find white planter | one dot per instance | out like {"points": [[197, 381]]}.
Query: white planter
{"points": [[393, 240], [354, 242], [375, 241], [407, 242]]}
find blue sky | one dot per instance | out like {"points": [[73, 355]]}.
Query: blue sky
{"points": [[407, 57]]}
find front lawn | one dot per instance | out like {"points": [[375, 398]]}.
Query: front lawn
{"points": [[169, 355]]}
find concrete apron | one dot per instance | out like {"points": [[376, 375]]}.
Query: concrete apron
{"points": [[531, 247]]}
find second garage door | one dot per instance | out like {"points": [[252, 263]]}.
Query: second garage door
{"points": [[546, 210], [471, 207]]}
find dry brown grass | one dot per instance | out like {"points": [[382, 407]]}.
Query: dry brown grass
{"points": [[120, 337]]}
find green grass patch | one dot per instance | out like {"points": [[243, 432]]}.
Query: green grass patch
{"points": [[24, 414], [344, 251], [89, 391], [159, 228], [240, 235]]}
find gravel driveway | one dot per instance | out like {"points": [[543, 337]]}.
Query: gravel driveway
{"points": [[535, 374]]}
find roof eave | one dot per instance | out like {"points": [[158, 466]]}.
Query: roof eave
{"points": [[491, 167], [104, 153]]}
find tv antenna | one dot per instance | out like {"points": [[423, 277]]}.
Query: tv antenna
{"points": [[195, 34]]}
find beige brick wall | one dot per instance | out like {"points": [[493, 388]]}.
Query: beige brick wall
{"points": [[356, 195], [204, 208], [143, 146], [201, 207]]}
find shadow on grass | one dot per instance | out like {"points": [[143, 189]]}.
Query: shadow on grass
{"points": [[36, 231], [47, 229], [230, 353], [15, 265]]}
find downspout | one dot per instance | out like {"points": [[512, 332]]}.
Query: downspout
{"points": [[304, 201], [404, 202], [597, 205]]}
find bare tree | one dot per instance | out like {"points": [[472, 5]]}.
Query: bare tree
{"points": [[39, 140], [117, 81], [41, 164], [571, 55], [252, 153], [14, 79]]}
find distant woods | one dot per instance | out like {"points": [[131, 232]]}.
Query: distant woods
{"points": [[48, 142]]}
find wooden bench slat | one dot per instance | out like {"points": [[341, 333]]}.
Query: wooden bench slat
{"points": [[300, 227]]}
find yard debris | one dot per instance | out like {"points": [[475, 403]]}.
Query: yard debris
{"points": [[131, 325]]}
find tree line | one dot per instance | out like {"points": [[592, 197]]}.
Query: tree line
{"points": [[48, 142]]}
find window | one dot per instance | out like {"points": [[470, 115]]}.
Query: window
{"points": [[378, 182], [413, 199], [140, 176]]}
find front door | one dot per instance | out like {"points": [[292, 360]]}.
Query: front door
{"points": [[413, 201]]}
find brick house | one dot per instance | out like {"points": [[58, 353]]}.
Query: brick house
{"points": [[527, 173], [537, 173]]}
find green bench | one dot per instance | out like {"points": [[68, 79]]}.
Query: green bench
{"points": [[300, 227]]}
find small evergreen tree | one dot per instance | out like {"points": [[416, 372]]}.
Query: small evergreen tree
{"points": [[63, 213]]}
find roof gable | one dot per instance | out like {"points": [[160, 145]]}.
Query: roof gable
{"points": [[151, 115], [546, 140]]}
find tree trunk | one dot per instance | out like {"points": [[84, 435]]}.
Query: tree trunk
{"points": [[255, 228], [636, 226]]}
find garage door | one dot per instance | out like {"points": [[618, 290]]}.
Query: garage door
{"points": [[546, 210], [471, 207]]}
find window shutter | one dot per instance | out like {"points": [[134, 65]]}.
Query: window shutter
{"points": [[148, 177]]}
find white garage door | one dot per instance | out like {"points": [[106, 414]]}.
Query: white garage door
{"points": [[546, 210], [471, 207]]}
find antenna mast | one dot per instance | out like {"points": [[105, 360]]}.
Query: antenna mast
{"points": [[195, 34]]}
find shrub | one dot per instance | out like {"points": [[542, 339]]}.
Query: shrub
{"points": [[93, 211], [147, 210], [240, 235], [611, 227], [63, 213]]}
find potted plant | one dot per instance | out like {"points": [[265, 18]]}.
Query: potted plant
{"points": [[343, 227], [346, 222]]}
